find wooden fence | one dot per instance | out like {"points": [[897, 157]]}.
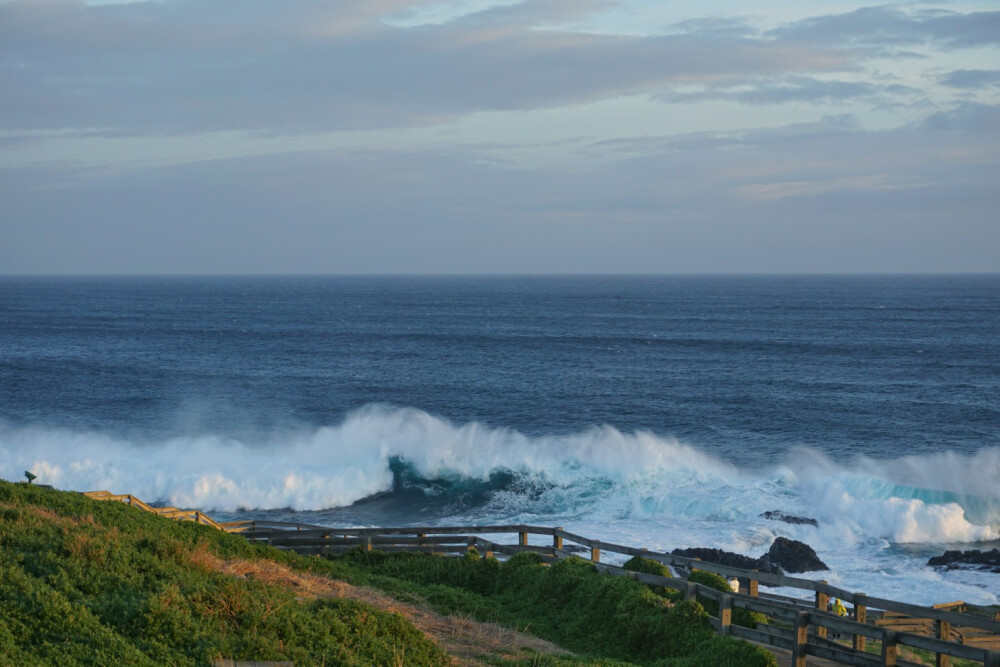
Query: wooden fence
{"points": [[169, 512], [801, 626]]}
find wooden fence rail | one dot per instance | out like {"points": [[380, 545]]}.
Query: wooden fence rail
{"points": [[955, 634], [169, 512]]}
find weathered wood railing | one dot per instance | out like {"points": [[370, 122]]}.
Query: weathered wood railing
{"points": [[169, 512], [808, 623]]}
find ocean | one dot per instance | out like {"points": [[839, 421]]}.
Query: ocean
{"points": [[654, 411]]}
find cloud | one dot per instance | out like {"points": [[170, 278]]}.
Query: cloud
{"points": [[304, 66], [890, 27], [817, 196], [724, 26], [709, 146], [184, 66], [779, 90], [969, 117], [972, 78]]}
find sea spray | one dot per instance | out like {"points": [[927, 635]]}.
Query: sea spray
{"points": [[637, 488], [597, 471]]}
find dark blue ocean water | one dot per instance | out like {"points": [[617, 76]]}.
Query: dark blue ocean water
{"points": [[742, 366], [596, 399]]}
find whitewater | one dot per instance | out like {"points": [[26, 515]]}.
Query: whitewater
{"points": [[876, 517], [657, 411]]}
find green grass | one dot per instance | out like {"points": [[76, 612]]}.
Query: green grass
{"points": [[87, 582], [915, 655], [102, 583], [569, 603]]}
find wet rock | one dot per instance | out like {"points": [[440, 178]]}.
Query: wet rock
{"points": [[794, 556], [973, 559], [785, 555], [729, 559], [778, 515]]}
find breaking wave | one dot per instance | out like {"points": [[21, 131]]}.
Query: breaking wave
{"points": [[599, 473]]}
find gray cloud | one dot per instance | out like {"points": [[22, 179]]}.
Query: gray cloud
{"points": [[779, 90], [288, 67], [190, 67], [825, 194], [889, 26], [972, 78], [970, 117], [723, 26], [805, 197]]}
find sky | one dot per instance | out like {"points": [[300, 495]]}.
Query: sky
{"points": [[499, 136]]}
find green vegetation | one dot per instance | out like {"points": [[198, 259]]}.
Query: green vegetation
{"points": [[748, 619], [88, 582], [569, 603], [915, 656], [647, 566]]}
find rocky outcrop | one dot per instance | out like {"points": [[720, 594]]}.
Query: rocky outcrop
{"points": [[778, 515], [785, 555], [973, 559], [728, 558], [794, 556]]}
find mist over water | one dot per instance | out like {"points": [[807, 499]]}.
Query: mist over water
{"points": [[656, 412]]}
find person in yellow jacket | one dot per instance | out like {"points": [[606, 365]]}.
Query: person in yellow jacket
{"points": [[838, 607]]}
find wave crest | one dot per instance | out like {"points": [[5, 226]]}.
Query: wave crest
{"points": [[600, 472]]}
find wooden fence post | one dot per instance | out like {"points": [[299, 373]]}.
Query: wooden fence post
{"points": [[752, 587], [595, 554], [821, 601], [366, 543], [557, 539], [725, 614], [890, 650], [801, 639], [522, 539], [860, 616], [691, 591], [944, 634]]}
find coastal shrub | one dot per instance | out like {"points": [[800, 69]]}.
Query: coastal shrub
{"points": [[744, 617], [569, 603], [647, 566], [469, 572]]}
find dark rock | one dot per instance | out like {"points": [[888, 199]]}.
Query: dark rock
{"points": [[785, 555], [794, 556], [778, 515], [973, 559], [729, 559]]}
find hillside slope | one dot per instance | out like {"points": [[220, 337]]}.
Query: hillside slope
{"points": [[89, 582], [86, 582]]}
